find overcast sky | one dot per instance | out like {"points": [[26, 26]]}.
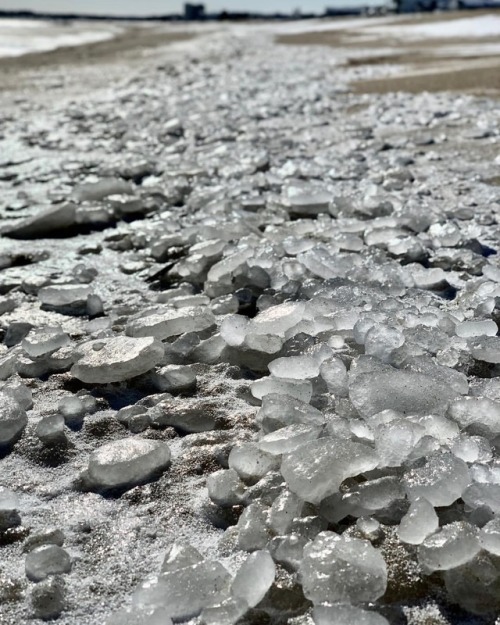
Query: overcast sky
{"points": [[142, 7]]}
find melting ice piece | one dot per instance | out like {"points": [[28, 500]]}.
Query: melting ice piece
{"points": [[286, 507], [287, 439], [125, 463], [42, 341], [252, 528], [345, 614], [300, 389], [486, 349], [13, 420], [479, 411], [442, 480], [469, 329], [228, 612], [344, 569], [65, 297], [316, 470], [489, 536], [46, 222], [254, 578], [278, 319], [453, 545], [278, 411], [172, 322], [225, 488], [185, 592], [382, 340], [419, 522], [116, 359], [295, 368], [403, 391], [174, 378], [45, 561], [486, 494], [179, 556], [250, 462]]}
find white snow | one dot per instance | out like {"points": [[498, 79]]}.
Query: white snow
{"points": [[469, 27], [18, 37]]}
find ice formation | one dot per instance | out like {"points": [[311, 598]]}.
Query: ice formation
{"points": [[249, 368]]}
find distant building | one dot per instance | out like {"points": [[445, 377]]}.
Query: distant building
{"points": [[194, 11]]}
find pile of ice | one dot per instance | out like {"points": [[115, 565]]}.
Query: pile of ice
{"points": [[250, 354]]}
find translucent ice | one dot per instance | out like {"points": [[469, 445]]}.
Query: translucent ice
{"points": [[340, 568], [127, 462], [254, 578], [419, 522]]}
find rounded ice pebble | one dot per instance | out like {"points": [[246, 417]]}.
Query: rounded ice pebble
{"points": [[13, 420], [454, 545], [489, 536], [381, 341], [48, 599], [345, 614], [299, 389], [42, 341], [116, 359], [138, 616], [254, 578], [295, 368], [45, 561], [342, 569], [125, 463], [250, 462], [419, 522], [441, 481], [468, 329]]}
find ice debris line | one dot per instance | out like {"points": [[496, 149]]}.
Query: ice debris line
{"points": [[257, 380]]}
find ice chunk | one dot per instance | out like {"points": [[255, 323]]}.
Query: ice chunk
{"points": [[127, 462], [442, 480], [403, 391], [341, 568], [250, 462], [489, 536], [453, 545], [179, 556], [252, 528], [13, 420], [171, 322], [480, 412], [345, 614], [295, 368], [287, 439], [278, 319], [50, 430], [278, 411], [474, 585], [288, 550], [225, 488], [334, 373], [46, 222], [382, 340], [116, 359], [469, 329], [65, 298], [286, 507], [486, 349], [254, 578], [229, 612], [396, 440], [483, 495], [419, 522], [300, 389], [42, 341], [185, 592], [316, 470], [45, 561], [48, 599]]}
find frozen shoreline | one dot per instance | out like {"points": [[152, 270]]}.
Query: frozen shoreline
{"points": [[19, 37]]}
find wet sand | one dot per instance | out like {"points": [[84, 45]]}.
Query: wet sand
{"points": [[425, 64]]}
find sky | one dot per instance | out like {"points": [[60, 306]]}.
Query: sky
{"points": [[144, 7]]}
